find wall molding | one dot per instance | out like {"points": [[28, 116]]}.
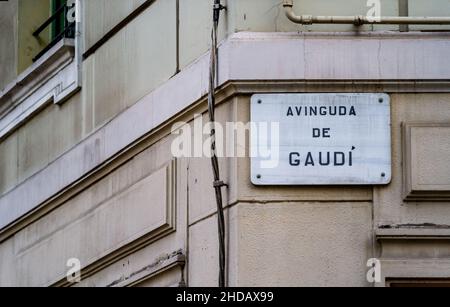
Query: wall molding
{"points": [[407, 270], [411, 232], [160, 266], [413, 190], [411, 252], [141, 240]]}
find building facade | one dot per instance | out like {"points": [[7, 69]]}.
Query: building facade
{"points": [[88, 178]]}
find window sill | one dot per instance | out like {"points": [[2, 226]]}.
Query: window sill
{"points": [[53, 78]]}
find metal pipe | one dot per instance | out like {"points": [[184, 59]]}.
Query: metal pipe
{"points": [[359, 20]]}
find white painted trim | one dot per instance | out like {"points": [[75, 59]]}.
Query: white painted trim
{"points": [[380, 56], [413, 233], [244, 56]]}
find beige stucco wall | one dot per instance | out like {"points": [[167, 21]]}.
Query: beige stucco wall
{"points": [[100, 16], [35, 145], [31, 15], [8, 42]]}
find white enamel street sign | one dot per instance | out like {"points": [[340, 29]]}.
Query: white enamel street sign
{"points": [[320, 139]]}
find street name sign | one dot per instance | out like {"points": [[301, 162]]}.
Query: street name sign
{"points": [[320, 139]]}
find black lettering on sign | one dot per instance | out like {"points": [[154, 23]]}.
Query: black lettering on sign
{"points": [[309, 160], [321, 133], [290, 112], [321, 111], [316, 133], [321, 160], [339, 159], [336, 159], [350, 154], [294, 159]]}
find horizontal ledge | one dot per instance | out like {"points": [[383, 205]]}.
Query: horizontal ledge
{"points": [[35, 72], [177, 259], [414, 233], [436, 197]]}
